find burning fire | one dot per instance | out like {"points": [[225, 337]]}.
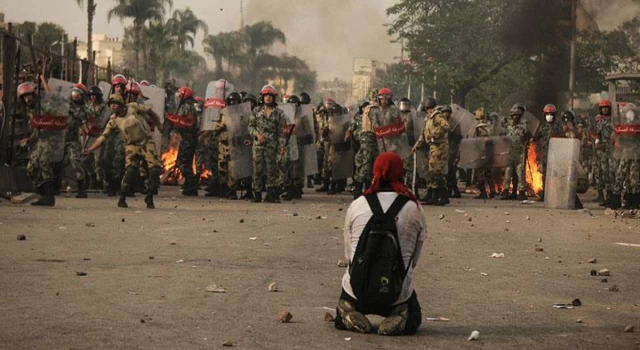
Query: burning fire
{"points": [[535, 181], [171, 173]]}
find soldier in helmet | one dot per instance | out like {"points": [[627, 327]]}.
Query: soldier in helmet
{"points": [[266, 126], [551, 127], [292, 170], [435, 133], [78, 121], [606, 163], [322, 117], [114, 157], [135, 133], [364, 158], [518, 134], [184, 122], [484, 176], [98, 118], [232, 185]]}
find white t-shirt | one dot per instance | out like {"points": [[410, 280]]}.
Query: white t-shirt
{"points": [[412, 232]]}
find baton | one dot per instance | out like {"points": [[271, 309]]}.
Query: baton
{"points": [[415, 161]]}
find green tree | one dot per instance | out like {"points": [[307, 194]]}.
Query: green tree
{"points": [[91, 12], [140, 11], [185, 25]]}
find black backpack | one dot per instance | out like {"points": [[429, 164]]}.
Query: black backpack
{"points": [[377, 270]]}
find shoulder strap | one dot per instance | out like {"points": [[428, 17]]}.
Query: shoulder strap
{"points": [[397, 205], [374, 204], [394, 209]]}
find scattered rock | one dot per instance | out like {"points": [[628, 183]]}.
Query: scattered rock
{"points": [[173, 243], [576, 302], [253, 238], [90, 224], [506, 230], [227, 343], [469, 219], [604, 272], [484, 274], [539, 249], [592, 261], [508, 221], [610, 213], [497, 255], [181, 261], [594, 273], [122, 220], [214, 288], [142, 320], [80, 273], [629, 329], [528, 218], [474, 335], [507, 213], [342, 263], [614, 288], [319, 217], [284, 317], [152, 257], [579, 321], [441, 216], [241, 221], [339, 209], [328, 317], [273, 287], [604, 280], [295, 214], [21, 237]]}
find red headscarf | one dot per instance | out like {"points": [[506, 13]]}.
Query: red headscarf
{"points": [[388, 167]]}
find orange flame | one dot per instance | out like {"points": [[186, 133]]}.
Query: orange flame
{"points": [[171, 173], [535, 181]]}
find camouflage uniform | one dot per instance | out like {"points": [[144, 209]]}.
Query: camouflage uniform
{"points": [[320, 122], [188, 143], [545, 132], [265, 156], [606, 178], [484, 176], [40, 167], [516, 165], [586, 149], [367, 150], [435, 133], [78, 116]]}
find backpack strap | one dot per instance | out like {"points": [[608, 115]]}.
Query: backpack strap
{"points": [[374, 204], [397, 205]]}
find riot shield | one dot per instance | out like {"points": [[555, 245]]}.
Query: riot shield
{"points": [[289, 110], [532, 122], [105, 87], [156, 97], [562, 173], [305, 133], [484, 152], [422, 153], [626, 125], [236, 119], [51, 116], [462, 122], [217, 91], [342, 155], [390, 130], [97, 125]]}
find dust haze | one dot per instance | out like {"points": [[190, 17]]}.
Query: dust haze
{"points": [[611, 14], [329, 34]]}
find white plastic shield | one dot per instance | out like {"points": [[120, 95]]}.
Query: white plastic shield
{"points": [[54, 108], [105, 87], [156, 97], [217, 91], [236, 119], [562, 173], [289, 110], [343, 155], [305, 133], [462, 122]]}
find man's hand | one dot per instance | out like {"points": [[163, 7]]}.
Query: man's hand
{"points": [[283, 151], [86, 152], [260, 139], [347, 136], [414, 149], [247, 142]]}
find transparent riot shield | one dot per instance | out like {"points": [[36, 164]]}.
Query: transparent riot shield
{"points": [[562, 173], [105, 87], [462, 122], [236, 118], [484, 152], [341, 154], [390, 130], [215, 96], [626, 126], [289, 110], [305, 133], [532, 122], [51, 115], [155, 98], [422, 153]]}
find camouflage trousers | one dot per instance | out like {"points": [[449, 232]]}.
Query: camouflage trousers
{"points": [[39, 168], [364, 159], [515, 167], [291, 172], [212, 161], [627, 176], [72, 157], [438, 164], [139, 159], [186, 153], [114, 158], [225, 164], [326, 160], [606, 174], [265, 167]]}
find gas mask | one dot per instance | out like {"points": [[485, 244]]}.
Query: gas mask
{"points": [[549, 118], [630, 116]]}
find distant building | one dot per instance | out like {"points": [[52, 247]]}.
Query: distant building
{"points": [[367, 74], [337, 89], [106, 49], [2, 24]]}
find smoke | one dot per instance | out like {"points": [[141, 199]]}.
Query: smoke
{"points": [[611, 14], [329, 34]]}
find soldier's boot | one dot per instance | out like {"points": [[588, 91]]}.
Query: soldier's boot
{"points": [[492, 188], [443, 198], [272, 195], [636, 201], [615, 202], [122, 202], [627, 202], [47, 198], [82, 188], [505, 195], [257, 197], [357, 189], [600, 198], [232, 195], [189, 188], [607, 201], [297, 192], [522, 196], [456, 191], [309, 181], [347, 318], [395, 323], [434, 197], [289, 194], [154, 186], [483, 193], [332, 187], [428, 195], [325, 185], [148, 199], [578, 203], [213, 189]]}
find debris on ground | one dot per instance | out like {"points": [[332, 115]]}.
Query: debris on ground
{"points": [[214, 288], [441, 216], [563, 306], [273, 287], [173, 243], [284, 317], [497, 255], [614, 288], [80, 273], [21, 237], [295, 214], [484, 274], [579, 321], [539, 249], [592, 261], [227, 344], [604, 272], [604, 280], [576, 302], [90, 224], [474, 336], [180, 261], [438, 319], [342, 263], [241, 221], [328, 317], [610, 213], [629, 329]]}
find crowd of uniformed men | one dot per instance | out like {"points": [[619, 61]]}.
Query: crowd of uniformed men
{"points": [[346, 142]]}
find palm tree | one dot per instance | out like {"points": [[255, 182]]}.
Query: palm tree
{"points": [[185, 25], [91, 12], [140, 11], [259, 38], [225, 46]]}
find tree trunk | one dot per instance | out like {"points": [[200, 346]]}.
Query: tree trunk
{"points": [[91, 11], [136, 47]]}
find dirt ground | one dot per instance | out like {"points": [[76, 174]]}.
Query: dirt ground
{"points": [[147, 270]]}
